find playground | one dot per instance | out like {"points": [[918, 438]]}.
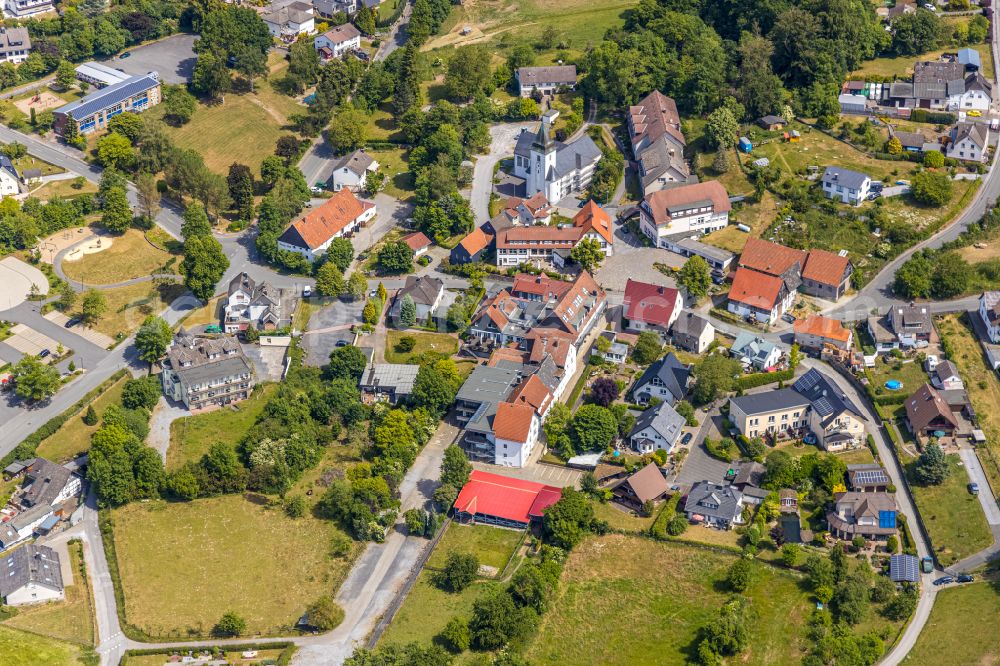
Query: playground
{"points": [[49, 247], [42, 100], [91, 245]]}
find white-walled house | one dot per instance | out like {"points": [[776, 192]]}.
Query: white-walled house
{"points": [[289, 22], [10, 180], [337, 41], [30, 575], [700, 208], [989, 311], [552, 167], [340, 215], [969, 142], [352, 170], [850, 187], [977, 96], [515, 431], [658, 427]]}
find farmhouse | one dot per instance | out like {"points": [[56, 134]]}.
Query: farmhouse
{"points": [[93, 112], [545, 80], [650, 307], [340, 215], [31, 575], [389, 382], [352, 170], [680, 211], [290, 21], [555, 168], [850, 187], [337, 41], [493, 499], [658, 427], [968, 142], [206, 372]]}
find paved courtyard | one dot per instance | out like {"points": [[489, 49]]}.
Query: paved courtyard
{"points": [[268, 362], [30, 342], [173, 58], [327, 326], [637, 264], [552, 475], [16, 278]]}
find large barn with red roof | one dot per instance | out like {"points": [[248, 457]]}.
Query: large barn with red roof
{"points": [[501, 500]]}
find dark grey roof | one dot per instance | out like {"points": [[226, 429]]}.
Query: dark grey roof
{"points": [[901, 89], [574, 155], [664, 419], [9, 167], [709, 499], [749, 472], [8, 535], [14, 39], [702, 249], [904, 569], [869, 474], [25, 518], [769, 401], [423, 290], [30, 564], [560, 74], [486, 387], [660, 156], [690, 324], [840, 176], [914, 319], [977, 81], [977, 132], [396, 376], [548, 372], [113, 94], [758, 493], [911, 139], [671, 372], [826, 398], [773, 120], [44, 481], [224, 367], [358, 162]]}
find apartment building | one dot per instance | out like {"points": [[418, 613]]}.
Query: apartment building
{"points": [[206, 372], [93, 112], [682, 211]]}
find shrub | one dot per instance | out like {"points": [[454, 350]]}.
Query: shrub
{"points": [[406, 344], [678, 525], [459, 572], [456, 635], [230, 624]]}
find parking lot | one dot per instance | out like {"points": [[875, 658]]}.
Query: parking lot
{"points": [[172, 57], [552, 475], [30, 342], [328, 326], [89, 334]]}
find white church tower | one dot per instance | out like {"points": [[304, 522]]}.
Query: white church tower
{"points": [[543, 157]]}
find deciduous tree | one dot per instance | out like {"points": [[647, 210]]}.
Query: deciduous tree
{"points": [[93, 306], [695, 277], [34, 380], [203, 266]]}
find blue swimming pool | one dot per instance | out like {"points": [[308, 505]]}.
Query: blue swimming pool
{"points": [[894, 384]]}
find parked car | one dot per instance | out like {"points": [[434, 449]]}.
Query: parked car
{"points": [[974, 488], [966, 578], [316, 190], [944, 580], [72, 322], [929, 7], [873, 196], [927, 564], [788, 318], [361, 55], [127, 54], [341, 343], [686, 438], [307, 291], [974, 113], [43, 353]]}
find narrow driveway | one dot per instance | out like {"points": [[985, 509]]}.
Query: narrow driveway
{"points": [[397, 34], [503, 137], [992, 512]]}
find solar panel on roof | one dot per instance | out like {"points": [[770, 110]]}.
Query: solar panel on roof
{"points": [[823, 406], [887, 519], [868, 477], [807, 381]]}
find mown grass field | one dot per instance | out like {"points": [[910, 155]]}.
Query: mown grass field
{"points": [[947, 639], [73, 438], [620, 519], [616, 607], [129, 306], [18, 648], [492, 545], [902, 66], [62, 188], [436, 343], [210, 313], [982, 385], [184, 564], [192, 436], [130, 256], [954, 518], [244, 128], [71, 619]]}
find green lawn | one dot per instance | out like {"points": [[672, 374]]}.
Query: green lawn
{"points": [[71, 619], [129, 306], [492, 545], [628, 600], [399, 178], [902, 67], [18, 648], [234, 658], [435, 343], [621, 519], [952, 515], [130, 256], [184, 564], [947, 639], [192, 436], [73, 438]]}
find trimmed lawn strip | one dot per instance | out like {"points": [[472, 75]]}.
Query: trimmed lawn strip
{"points": [[62, 188], [952, 515], [435, 343], [19, 648], [231, 657], [657, 612], [210, 313], [983, 387], [73, 438], [192, 436], [492, 545], [130, 256], [129, 306], [947, 639], [69, 620], [622, 519], [182, 565]]}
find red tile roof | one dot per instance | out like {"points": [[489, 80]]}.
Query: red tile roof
{"points": [[825, 267], [326, 221], [592, 216], [417, 241], [824, 327], [756, 289], [513, 421], [551, 237], [505, 497], [534, 393], [655, 115], [649, 303], [770, 258], [476, 241], [551, 341], [539, 285], [710, 190], [507, 354]]}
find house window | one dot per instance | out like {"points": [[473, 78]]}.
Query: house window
{"points": [[770, 419]]}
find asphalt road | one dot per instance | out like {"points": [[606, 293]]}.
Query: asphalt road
{"points": [[397, 34]]}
